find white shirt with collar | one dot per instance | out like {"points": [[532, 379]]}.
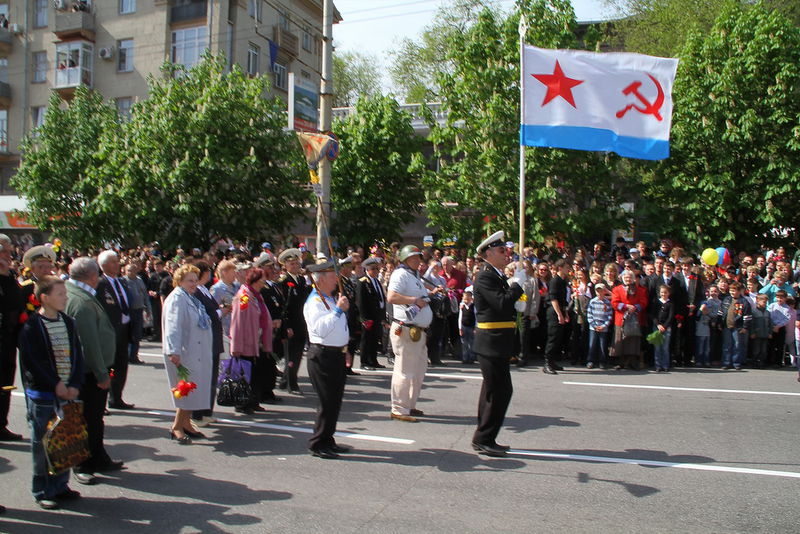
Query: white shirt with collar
{"points": [[326, 322]]}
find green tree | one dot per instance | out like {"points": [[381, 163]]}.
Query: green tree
{"points": [[355, 75], [733, 173], [204, 155], [58, 162], [375, 189], [569, 193]]}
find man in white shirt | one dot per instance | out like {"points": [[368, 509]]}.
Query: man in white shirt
{"points": [[328, 337]]}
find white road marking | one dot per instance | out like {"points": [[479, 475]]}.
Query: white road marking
{"points": [[655, 463], [434, 375], [674, 388]]}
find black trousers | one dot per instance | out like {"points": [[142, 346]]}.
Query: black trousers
{"points": [[155, 305], [123, 337], [776, 347], [369, 344], [326, 369], [435, 341], [453, 336], [555, 337], [94, 404], [8, 371], [292, 360], [268, 371], [687, 340], [495, 396]]}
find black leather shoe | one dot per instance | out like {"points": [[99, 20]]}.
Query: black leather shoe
{"points": [[273, 400], [121, 406], [489, 450], [522, 362], [325, 454], [193, 434], [416, 413], [556, 367], [246, 411], [548, 370], [379, 366], [87, 479], [68, 495], [7, 435], [258, 408], [182, 440], [110, 466], [136, 362], [350, 372], [504, 447], [340, 449], [367, 368]]}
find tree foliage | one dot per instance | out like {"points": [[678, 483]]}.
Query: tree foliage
{"points": [[375, 189], [56, 174], [733, 173], [204, 155], [355, 75], [569, 193]]}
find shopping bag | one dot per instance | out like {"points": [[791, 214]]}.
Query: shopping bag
{"points": [[66, 441]]}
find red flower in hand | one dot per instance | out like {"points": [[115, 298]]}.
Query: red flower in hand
{"points": [[290, 284]]}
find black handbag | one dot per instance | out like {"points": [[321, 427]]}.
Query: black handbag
{"points": [[234, 392]]}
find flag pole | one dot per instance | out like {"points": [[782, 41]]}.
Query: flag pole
{"points": [[522, 31]]}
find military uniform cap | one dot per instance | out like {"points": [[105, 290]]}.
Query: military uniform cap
{"points": [[243, 265], [346, 261], [288, 254], [264, 259], [322, 267], [38, 253], [497, 239], [374, 260]]}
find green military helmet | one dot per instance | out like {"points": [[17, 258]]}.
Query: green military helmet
{"points": [[408, 251]]}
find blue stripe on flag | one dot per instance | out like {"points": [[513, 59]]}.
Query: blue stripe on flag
{"points": [[582, 138]]}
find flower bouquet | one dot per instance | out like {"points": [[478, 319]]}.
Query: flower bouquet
{"points": [[184, 387], [656, 338]]}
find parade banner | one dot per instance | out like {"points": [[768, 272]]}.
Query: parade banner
{"points": [[315, 147], [612, 102]]}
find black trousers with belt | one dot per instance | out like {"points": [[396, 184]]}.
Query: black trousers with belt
{"points": [[555, 337], [123, 337], [94, 404], [369, 344], [326, 369], [495, 397], [296, 344]]}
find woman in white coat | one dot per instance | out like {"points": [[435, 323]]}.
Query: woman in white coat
{"points": [[188, 341]]}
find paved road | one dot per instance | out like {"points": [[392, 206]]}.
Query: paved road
{"points": [[718, 454]]}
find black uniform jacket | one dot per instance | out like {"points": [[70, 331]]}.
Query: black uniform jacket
{"points": [[494, 303], [369, 301]]}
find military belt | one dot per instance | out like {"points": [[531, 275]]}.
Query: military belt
{"points": [[497, 325]]}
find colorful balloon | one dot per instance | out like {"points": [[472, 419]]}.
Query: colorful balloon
{"points": [[710, 256], [724, 256]]}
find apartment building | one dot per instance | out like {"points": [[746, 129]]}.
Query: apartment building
{"points": [[112, 46]]}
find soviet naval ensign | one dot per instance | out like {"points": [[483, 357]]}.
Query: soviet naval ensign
{"points": [[612, 102]]}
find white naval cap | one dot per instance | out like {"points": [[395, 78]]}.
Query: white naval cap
{"points": [[497, 239]]}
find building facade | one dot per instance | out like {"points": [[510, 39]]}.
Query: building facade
{"points": [[112, 46]]}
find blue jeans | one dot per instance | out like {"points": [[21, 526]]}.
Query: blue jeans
{"points": [[661, 353], [467, 338], [45, 486], [734, 347], [597, 340], [702, 349]]}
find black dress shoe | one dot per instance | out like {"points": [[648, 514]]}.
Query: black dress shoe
{"points": [[7, 435], [556, 367], [246, 410], [282, 385], [272, 400], [489, 450], [350, 372], [120, 406], [111, 465], [68, 495], [367, 368], [504, 447], [137, 361], [339, 449], [87, 479], [325, 454], [549, 370], [193, 434], [522, 362], [379, 366], [416, 413], [182, 440]]}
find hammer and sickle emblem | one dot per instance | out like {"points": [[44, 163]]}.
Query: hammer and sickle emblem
{"points": [[649, 108]]}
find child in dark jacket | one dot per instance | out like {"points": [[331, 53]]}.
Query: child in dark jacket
{"points": [[51, 362], [662, 314], [760, 331]]}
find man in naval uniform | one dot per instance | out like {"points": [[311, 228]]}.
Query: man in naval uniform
{"points": [[328, 336], [295, 291], [349, 291], [494, 341], [372, 313]]}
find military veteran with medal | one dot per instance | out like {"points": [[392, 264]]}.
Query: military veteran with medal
{"points": [[495, 297]]}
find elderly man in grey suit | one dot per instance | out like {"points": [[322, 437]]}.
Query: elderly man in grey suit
{"points": [[98, 340]]}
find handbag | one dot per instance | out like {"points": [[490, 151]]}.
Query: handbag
{"points": [[66, 441], [630, 325], [234, 385]]}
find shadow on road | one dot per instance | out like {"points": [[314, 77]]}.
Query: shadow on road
{"points": [[637, 490]]}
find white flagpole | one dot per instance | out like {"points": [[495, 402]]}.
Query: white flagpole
{"points": [[522, 30]]}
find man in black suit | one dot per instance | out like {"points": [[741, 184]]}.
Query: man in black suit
{"points": [[679, 298], [371, 304], [692, 285], [494, 341], [114, 299], [353, 324], [295, 290]]}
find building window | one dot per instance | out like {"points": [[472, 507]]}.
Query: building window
{"points": [[74, 64], [3, 131], [188, 45], [39, 67], [40, 13], [281, 78], [124, 106], [283, 20], [308, 41], [251, 8], [37, 119], [305, 74], [127, 6], [125, 58], [253, 54], [4, 70]]}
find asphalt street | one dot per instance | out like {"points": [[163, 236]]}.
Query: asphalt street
{"points": [[592, 451]]}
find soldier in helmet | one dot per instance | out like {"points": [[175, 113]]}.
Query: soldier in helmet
{"points": [[411, 316]]}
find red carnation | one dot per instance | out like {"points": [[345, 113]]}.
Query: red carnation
{"points": [[290, 284]]}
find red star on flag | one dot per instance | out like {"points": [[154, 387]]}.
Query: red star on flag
{"points": [[558, 85]]}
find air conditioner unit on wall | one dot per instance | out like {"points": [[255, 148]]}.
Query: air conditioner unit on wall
{"points": [[16, 29], [107, 53], [60, 5]]}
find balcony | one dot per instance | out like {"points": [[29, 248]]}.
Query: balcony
{"points": [[71, 24], [6, 42], [186, 10], [287, 42], [5, 95]]}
